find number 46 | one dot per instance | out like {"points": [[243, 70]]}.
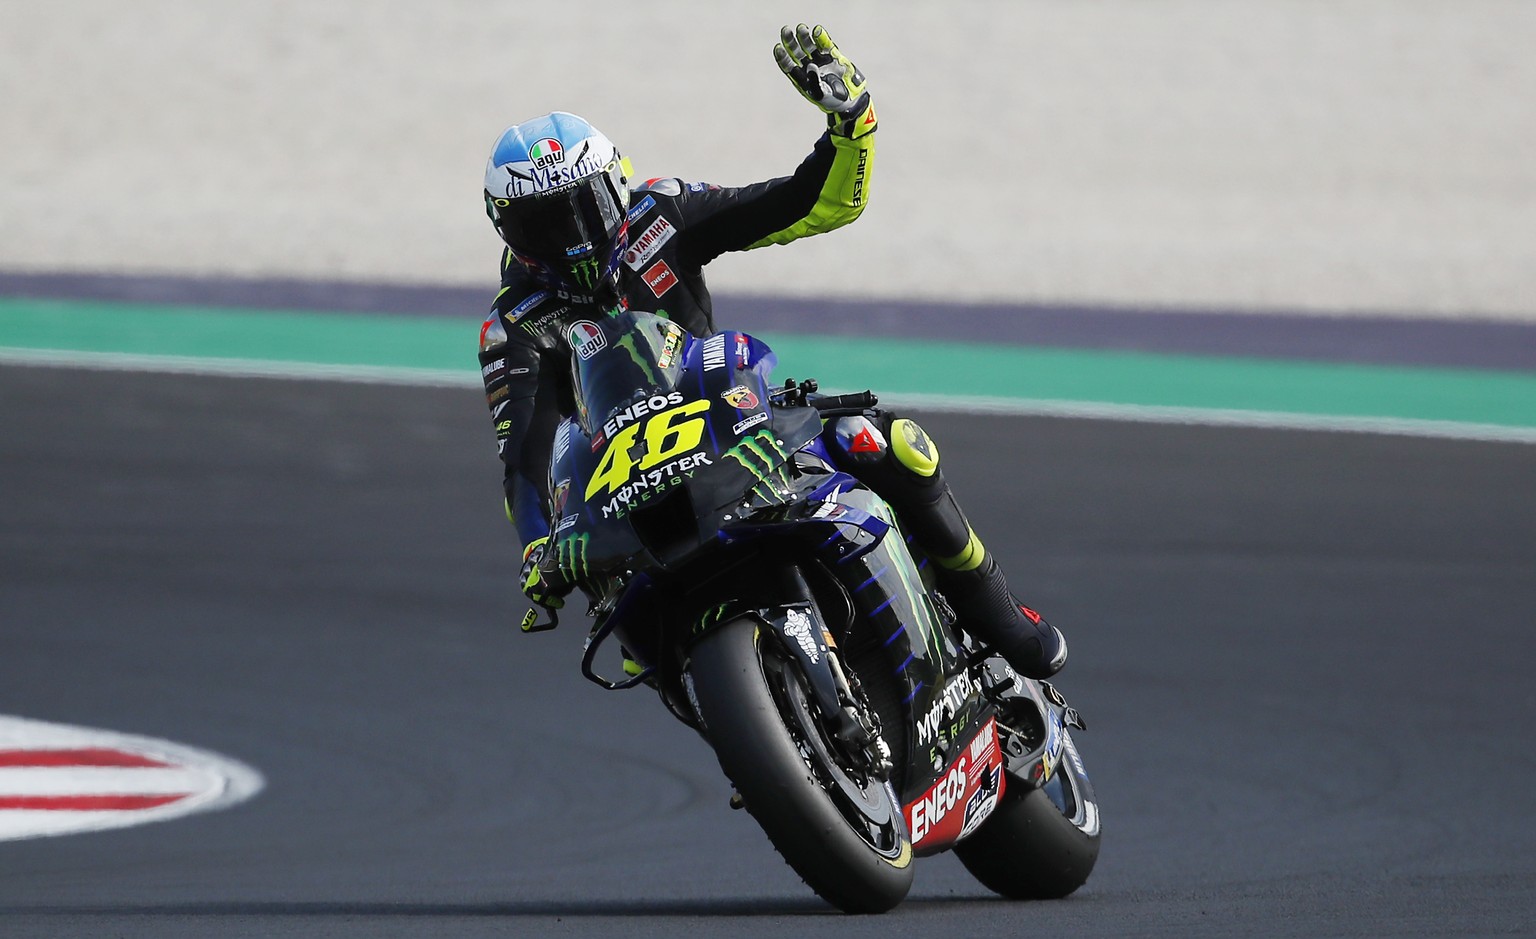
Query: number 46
{"points": [[668, 434]]}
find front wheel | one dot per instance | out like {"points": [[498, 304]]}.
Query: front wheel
{"points": [[840, 830], [1040, 844]]}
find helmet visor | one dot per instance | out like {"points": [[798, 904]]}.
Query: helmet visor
{"points": [[569, 223]]}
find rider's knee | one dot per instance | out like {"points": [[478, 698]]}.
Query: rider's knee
{"points": [[885, 450], [913, 448]]}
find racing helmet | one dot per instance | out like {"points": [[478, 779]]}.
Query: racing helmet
{"points": [[557, 191]]}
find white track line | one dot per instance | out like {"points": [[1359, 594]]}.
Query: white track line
{"points": [[1218, 417], [241, 368]]}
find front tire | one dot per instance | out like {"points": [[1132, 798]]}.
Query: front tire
{"points": [[844, 835]]}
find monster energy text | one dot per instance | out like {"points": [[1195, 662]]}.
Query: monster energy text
{"points": [[647, 485]]}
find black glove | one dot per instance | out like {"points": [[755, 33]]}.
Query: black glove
{"points": [[826, 78], [534, 586]]}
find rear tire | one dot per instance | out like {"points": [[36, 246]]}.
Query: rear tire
{"points": [[1030, 849], [846, 838]]}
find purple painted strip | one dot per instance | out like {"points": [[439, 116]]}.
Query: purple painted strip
{"points": [[1368, 339], [1374, 339]]}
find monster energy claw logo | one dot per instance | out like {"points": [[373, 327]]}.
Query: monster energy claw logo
{"points": [[628, 345], [709, 619], [571, 557], [585, 273], [762, 456]]}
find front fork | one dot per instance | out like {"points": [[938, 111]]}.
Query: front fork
{"points": [[848, 720]]}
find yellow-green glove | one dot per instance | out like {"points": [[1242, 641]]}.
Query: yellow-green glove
{"points": [[826, 78], [534, 586]]}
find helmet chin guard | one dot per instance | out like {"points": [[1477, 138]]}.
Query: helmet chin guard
{"points": [[585, 280]]}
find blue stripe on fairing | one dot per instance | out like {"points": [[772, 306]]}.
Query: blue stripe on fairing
{"points": [[872, 578]]}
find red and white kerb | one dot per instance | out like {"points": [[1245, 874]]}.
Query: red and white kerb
{"points": [[56, 779]]}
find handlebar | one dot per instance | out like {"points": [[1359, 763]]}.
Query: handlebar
{"points": [[802, 394], [843, 405]]}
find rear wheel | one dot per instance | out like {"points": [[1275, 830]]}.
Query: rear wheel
{"points": [[1040, 844], [840, 829]]}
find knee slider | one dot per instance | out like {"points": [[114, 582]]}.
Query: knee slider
{"points": [[913, 448]]}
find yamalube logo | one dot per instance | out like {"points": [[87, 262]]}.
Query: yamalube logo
{"points": [[586, 339], [546, 153]]}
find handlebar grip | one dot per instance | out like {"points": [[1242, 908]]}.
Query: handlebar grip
{"points": [[850, 402]]}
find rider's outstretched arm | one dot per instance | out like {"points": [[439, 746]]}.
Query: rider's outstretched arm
{"points": [[830, 187]]}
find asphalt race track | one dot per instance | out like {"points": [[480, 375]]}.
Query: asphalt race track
{"points": [[1304, 660]]}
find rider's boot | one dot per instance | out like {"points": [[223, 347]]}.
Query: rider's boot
{"points": [[900, 462], [986, 609]]}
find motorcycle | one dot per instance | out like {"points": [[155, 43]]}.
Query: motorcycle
{"points": [[773, 603]]}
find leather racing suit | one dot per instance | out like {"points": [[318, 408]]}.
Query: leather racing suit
{"points": [[675, 229]]}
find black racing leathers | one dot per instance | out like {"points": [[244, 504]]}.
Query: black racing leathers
{"points": [[675, 228]]}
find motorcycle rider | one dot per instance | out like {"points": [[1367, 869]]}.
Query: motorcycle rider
{"points": [[580, 242]]}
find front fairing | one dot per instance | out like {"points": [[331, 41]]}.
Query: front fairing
{"points": [[674, 437], [854, 534]]}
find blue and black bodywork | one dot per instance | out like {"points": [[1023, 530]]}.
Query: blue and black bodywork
{"points": [[688, 491]]}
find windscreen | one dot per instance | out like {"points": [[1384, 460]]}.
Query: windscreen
{"points": [[624, 362]]}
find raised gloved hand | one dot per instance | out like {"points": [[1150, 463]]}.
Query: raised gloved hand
{"points": [[826, 78], [535, 587]]}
